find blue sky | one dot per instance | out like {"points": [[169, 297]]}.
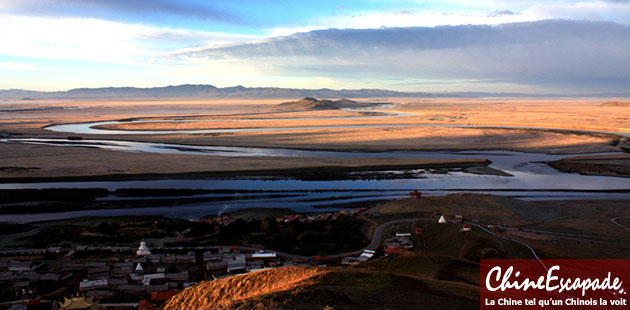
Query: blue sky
{"points": [[454, 45]]}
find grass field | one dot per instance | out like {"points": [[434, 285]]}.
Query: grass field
{"points": [[37, 161]]}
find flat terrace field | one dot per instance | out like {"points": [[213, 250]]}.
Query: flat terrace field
{"points": [[28, 119]]}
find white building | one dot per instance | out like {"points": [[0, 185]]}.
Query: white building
{"points": [[143, 250], [262, 254], [92, 284]]}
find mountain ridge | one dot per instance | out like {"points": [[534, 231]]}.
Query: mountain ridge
{"points": [[206, 91]]}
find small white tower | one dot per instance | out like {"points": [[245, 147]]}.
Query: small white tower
{"points": [[143, 250], [139, 268], [442, 220]]}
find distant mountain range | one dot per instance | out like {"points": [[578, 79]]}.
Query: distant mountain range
{"points": [[209, 91]]}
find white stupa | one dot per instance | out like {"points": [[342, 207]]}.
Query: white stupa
{"points": [[442, 220], [139, 268], [143, 250]]}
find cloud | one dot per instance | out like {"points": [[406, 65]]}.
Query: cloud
{"points": [[609, 10], [97, 40], [556, 53], [497, 13], [405, 18], [18, 66], [79, 8]]}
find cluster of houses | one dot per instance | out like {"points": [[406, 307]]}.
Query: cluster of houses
{"points": [[319, 217], [146, 279], [154, 277], [141, 277], [224, 261], [355, 260], [227, 220], [401, 242], [23, 277], [220, 220]]}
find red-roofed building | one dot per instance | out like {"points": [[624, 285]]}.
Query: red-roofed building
{"points": [[415, 194], [323, 217], [163, 296], [145, 305], [292, 218], [394, 250]]}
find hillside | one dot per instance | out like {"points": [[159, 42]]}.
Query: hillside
{"points": [[329, 288], [310, 103], [441, 272], [616, 104]]}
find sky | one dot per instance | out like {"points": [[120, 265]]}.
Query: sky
{"points": [[536, 46]]}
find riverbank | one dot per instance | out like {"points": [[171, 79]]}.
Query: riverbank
{"points": [[607, 165], [37, 163]]}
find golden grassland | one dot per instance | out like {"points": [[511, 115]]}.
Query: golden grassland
{"points": [[219, 294], [326, 288], [576, 114], [567, 114], [585, 115]]}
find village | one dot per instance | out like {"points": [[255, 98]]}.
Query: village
{"points": [[146, 276]]}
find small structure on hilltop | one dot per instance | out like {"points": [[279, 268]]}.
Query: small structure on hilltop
{"points": [[466, 227], [143, 250], [459, 218], [442, 220], [415, 194], [79, 303]]}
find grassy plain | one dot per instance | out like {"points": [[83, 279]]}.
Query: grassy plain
{"points": [[28, 119]]}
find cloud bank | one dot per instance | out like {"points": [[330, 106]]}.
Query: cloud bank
{"points": [[553, 53]]}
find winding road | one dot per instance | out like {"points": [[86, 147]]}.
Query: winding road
{"points": [[614, 220], [377, 235]]}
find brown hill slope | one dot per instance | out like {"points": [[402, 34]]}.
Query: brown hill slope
{"points": [[331, 288], [310, 103], [616, 104]]}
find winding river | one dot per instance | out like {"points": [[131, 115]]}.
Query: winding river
{"points": [[530, 178]]}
